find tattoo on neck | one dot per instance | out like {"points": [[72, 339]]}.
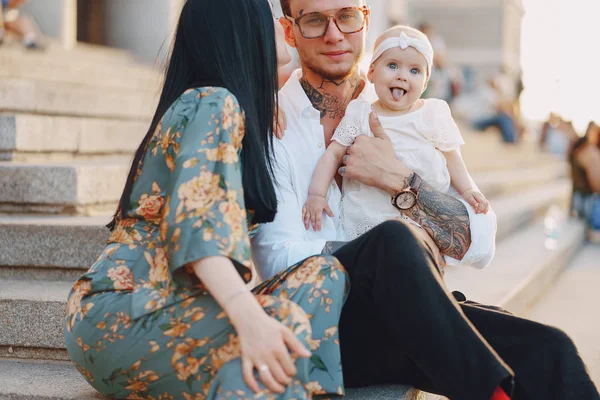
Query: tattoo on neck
{"points": [[445, 219], [336, 83], [326, 103]]}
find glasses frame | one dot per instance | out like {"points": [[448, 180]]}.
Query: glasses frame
{"points": [[364, 9]]}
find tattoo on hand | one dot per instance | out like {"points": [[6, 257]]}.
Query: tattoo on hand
{"points": [[445, 219], [332, 247], [328, 104]]}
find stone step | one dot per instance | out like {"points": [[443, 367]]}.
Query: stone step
{"points": [[27, 380], [82, 70], [60, 247], [526, 264], [87, 187], [90, 187], [32, 314], [571, 304], [81, 51], [39, 138], [43, 381], [517, 210], [496, 182], [42, 97], [50, 247]]}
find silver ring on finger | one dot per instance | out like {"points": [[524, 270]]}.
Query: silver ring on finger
{"points": [[263, 368]]}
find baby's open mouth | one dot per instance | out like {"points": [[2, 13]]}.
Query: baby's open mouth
{"points": [[397, 93]]}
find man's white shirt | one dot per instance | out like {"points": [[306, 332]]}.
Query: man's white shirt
{"points": [[285, 241]]}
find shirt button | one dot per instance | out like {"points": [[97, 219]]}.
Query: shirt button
{"points": [[320, 145]]}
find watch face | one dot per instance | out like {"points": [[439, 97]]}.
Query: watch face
{"points": [[406, 200]]}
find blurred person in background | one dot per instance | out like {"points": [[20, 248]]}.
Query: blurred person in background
{"points": [[584, 158], [557, 135], [496, 110], [446, 80], [12, 20]]}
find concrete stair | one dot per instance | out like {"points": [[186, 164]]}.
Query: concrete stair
{"points": [[47, 381], [58, 187], [76, 187], [82, 71], [57, 98], [524, 267], [571, 303], [40, 138]]}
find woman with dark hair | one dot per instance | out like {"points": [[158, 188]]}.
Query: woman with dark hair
{"points": [[165, 312], [584, 158]]}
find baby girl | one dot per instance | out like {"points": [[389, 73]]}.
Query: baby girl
{"points": [[422, 132]]}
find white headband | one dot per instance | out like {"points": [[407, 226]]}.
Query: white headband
{"points": [[405, 41]]}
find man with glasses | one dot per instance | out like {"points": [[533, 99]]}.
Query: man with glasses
{"points": [[399, 323]]}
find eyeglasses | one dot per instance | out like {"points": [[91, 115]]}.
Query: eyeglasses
{"points": [[348, 20]]}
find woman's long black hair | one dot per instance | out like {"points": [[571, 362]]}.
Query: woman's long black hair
{"points": [[231, 44]]}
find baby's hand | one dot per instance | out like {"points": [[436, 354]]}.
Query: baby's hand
{"points": [[312, 211], [477, 200]]}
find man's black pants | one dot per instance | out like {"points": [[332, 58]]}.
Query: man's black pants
{"points": [[401, 325]]}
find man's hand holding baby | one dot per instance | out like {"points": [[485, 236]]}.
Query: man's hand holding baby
{"points": [[372, 161]]}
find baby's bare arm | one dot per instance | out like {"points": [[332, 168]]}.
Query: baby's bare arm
{"points": [[326, 169], [461, 180]]}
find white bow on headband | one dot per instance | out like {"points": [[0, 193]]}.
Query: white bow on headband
{"points": [[404, 41]]}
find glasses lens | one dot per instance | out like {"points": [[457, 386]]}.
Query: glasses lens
{"points": [[350, 20], [313, 25]]}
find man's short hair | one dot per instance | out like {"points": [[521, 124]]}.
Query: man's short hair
{"points": [[286, 8]]}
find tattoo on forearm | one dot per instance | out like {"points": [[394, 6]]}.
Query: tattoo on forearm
{"points": [[445, 219], [326, 103], [332, 247]]}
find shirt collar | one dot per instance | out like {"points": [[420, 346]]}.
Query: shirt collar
{"points": [[299, 102]]}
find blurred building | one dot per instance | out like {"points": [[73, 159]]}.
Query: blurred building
{"points": [[483, 35]]}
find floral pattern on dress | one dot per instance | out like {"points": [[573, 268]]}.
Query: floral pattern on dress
{"points": [[140, 325]]}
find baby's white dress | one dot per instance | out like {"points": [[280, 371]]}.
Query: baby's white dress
{"points": [[417, 138]]}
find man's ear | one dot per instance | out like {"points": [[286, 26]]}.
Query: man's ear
{"points": [[371, 72], [288, 29]]}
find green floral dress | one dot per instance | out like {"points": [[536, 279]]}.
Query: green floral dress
{"points": [[140, 325]]}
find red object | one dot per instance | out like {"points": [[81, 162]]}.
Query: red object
{"points": [[500, 394]]}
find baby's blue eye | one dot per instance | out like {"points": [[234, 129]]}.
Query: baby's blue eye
{"points": [[415, 71], [393, 66]]}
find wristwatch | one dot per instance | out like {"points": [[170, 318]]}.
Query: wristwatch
{"points": [[406, 198]]}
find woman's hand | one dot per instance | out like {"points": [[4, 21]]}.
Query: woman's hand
{"points": [[280, 123], [264, 341], [265, 345]]}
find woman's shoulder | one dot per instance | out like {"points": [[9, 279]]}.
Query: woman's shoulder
{"points": [[202, 103], [208, 96]]}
